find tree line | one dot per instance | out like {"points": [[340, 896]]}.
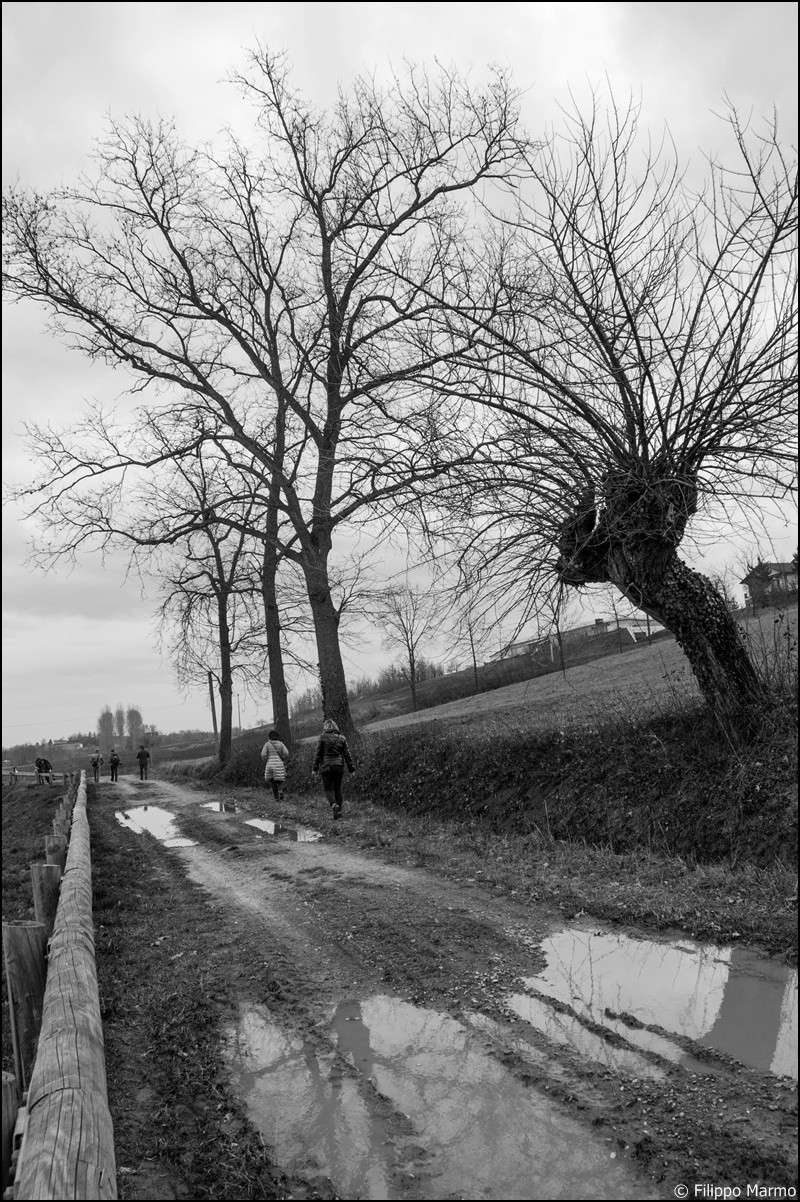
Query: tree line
{"points": [[543, 358], [122, 727]]}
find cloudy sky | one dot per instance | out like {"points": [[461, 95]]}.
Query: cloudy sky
{"points": [[74, 642]]}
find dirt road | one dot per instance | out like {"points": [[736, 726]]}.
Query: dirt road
{"points": [[406, 1036]]}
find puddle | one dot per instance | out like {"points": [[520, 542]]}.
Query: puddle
{"points": [[564, 1029], [300, 834], [220, 807], [476, 1131], [724, 998], [157, 822]]}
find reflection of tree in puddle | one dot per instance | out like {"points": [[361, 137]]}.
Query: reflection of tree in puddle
{"points": [[564, 1029], [490, 1135], [725, 998], [312, 1115], [486, 1133]]}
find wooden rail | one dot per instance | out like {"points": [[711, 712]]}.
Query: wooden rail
{"points": [[10, 775], [67, 1149]]}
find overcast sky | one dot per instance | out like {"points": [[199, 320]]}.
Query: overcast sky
{"points": [[72, 643]]}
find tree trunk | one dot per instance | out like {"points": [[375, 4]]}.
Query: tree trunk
{"points": [[335, 703], [225, 682], [687, 603], [628, 536], [272, 625], [474, 658]]}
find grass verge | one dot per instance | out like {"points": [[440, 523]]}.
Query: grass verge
{"points": [[27, 814]]}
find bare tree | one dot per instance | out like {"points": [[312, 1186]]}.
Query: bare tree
{"points": [[119, 720], [287, 303], [408, 617], [644, 372], [105, 728], [135, 726], [474, 623]]}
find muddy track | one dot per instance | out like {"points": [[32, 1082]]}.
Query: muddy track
{"points": [[392, 1036]]}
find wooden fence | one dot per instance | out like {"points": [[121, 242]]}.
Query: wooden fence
{"points": [[63, 1140], [55, 778]]}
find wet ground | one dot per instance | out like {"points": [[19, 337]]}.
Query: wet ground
{"points": [[420, 1039]]}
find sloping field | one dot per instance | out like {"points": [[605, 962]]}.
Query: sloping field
{"points": [[645, 681], [640, 683]]}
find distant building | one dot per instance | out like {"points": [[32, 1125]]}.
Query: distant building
{"points": [[770, 583], [636, 627]]}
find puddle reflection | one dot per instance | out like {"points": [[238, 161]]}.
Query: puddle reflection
{"points": [[154, 821], [486, 1134], [723, 998], [566, 1030], [300, 834], [220, 807]]}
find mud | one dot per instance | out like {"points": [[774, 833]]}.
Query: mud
{"points": [[495, 1050]]}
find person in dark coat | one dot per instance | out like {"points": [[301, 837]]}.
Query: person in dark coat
{"points": [[97, 762], [113, 763], [39, 770], [47, 769], [143, 758], [330, 759]]}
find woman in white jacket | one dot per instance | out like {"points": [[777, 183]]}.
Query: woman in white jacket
{"points": [[276, 755]]}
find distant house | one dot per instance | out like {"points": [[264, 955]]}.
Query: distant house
{"points": [[769, 583], [636, 627]]}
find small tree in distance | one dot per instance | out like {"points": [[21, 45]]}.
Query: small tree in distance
{"points": [[135, 726], [119, 721], [105, 729], [408, 617]]}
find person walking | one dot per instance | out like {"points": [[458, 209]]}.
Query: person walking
{"points": [[330, 759], [39, 770], [276, 755], [143, 758], [113, 763], [47, 771], [97, 761]]}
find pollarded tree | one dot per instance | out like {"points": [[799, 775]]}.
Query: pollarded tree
{"points": [[287, 301], [644, 371]]}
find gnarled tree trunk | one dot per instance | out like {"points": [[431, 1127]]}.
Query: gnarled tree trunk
{"points": [[628, 536]]}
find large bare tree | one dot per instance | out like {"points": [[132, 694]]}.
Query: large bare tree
{"points": [[284, 302], [644, 374]]}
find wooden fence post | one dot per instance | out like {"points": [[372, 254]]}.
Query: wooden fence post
{"points": [[55, 850], [10, 1106], [46, 881], [24, 948]]}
